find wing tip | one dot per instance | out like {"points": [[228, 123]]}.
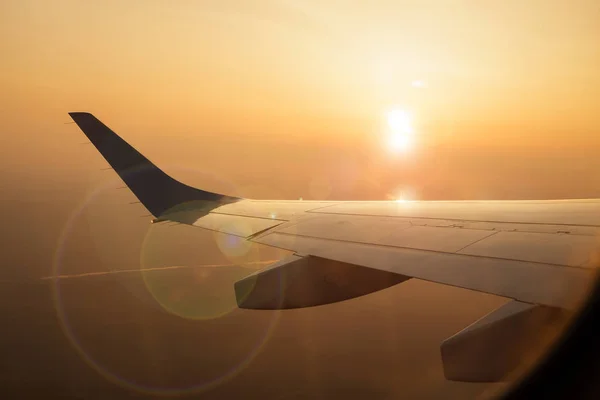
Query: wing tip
{"points": [[79, 114], [157, 191]]}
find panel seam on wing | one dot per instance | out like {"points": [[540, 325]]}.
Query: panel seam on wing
{"points": [[455, 219], [320, 208], [476, 241], [249, 216], [256, 234]]}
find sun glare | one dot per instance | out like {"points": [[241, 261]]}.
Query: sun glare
{"points": [[400, 133], [402, 197], [399, 141], [399, 121], [405, 195]]}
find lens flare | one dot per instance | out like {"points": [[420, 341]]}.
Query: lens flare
{"points": [[403, 195], [102, 366]]}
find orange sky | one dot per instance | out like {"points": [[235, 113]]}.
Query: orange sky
{"points": [[287, 99], [205, 74]]}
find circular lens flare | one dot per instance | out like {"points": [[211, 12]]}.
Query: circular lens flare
{"points": [[64, 308]]}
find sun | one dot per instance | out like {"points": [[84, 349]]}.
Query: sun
{"points": [[399, 121], [399, 141], [400, 132]]}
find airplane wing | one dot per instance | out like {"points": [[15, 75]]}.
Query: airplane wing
{"points": [[540, 254]]}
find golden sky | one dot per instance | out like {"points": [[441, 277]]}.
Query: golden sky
{"points": [[303, 73], [288, 99]]}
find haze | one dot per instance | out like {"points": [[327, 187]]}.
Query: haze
{"points": [[273, 99]]}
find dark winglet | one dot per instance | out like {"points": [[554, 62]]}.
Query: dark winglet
{"points": [[157, 191]]}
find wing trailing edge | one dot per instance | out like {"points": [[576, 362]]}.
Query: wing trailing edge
{"points": [[156, 190]]}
